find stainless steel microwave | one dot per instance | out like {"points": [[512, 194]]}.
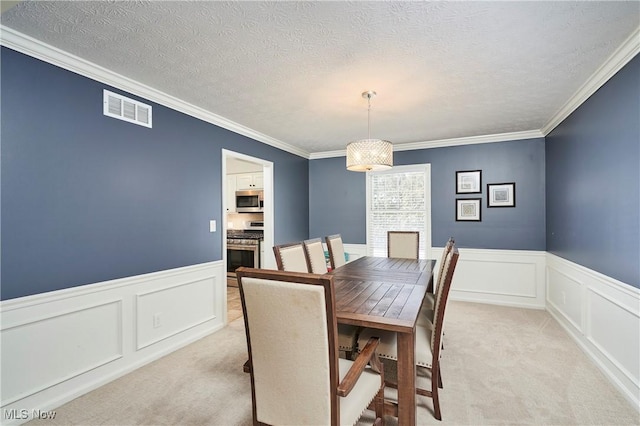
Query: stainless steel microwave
{"points": [[249, 201]]}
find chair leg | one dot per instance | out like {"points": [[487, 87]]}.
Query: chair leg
{"points": [[434, 392], [379, 408], [436, 382]]}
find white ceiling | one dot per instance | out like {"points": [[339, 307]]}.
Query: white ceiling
{"points": [[293, 72]]}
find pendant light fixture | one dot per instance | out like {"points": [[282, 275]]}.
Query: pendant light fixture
{"points": [[369, 154]]}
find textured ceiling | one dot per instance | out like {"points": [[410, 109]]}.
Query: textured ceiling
{"points": [[295, 71]]}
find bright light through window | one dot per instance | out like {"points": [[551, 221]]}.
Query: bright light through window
{"points": [[399, 200]]}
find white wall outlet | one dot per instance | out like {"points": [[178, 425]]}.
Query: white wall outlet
{"points": [[212, 226], [156, 320]]}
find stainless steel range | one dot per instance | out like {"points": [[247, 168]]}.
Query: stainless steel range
{"points": [[243, 249]]}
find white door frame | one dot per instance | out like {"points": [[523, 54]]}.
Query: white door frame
{"points": [[267, 169]]}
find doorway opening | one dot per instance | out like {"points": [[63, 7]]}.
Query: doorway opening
{"points": [[243, 174]]}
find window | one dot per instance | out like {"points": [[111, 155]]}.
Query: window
{"points": [[399, 200]]}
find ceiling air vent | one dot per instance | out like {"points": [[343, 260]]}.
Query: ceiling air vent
{"points": [[117, 106]]}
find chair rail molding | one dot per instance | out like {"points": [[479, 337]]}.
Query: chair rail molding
{"points": [[62, 344]]}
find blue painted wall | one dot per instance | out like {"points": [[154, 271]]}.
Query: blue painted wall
{"points": [[593, 180], [88, 198], [338, 199]]}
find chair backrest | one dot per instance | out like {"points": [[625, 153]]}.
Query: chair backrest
{"points": [[315, 256], [441, 297], [447, 248], [336, 250], [403, 244], [290, 325], [291, 257]]}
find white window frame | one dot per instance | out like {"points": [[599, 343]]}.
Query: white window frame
{"points": [[425, 238]]}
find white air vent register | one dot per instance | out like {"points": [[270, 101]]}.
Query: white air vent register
{"points": [[117, 106]]}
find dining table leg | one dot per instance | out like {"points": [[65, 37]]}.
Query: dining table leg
{"points": [[406, 378]]}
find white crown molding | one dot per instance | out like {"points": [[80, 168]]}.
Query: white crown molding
{"points": [[612, 65], [500, 137], [39, 50], [330, 154], [471, 140]]}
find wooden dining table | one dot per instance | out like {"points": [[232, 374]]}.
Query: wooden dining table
{"points": [[386, 294]]}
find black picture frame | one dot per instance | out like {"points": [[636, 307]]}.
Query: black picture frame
{"points": [[468, 209], [501, 194], [469, 182]]}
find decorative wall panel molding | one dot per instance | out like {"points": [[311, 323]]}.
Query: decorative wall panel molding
{"points": [[502, 277], [65, 345], [603, 316], [59, 345], [158, 316]]}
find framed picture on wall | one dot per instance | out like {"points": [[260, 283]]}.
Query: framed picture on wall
{"points": [[468, 209], [469, 182], [501, 194]]}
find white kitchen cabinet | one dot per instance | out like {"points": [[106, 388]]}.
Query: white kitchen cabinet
{"points": [[258, 181], [246, 181], [231, 183]]}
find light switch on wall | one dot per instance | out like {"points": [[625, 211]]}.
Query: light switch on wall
{"points": [[212, 226]]}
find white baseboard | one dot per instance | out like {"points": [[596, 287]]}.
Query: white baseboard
{"points": [[59, 345], [603, 317]]}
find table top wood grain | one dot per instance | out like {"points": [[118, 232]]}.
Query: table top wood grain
{"points": [[380, 292]]}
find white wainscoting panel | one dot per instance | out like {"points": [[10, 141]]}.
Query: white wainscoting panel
{"points": [[158, 316], [59, 345], [600, 313], [603, 316], [73, 342], [501, 277]]}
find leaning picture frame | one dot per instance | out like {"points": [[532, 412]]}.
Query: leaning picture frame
{"points": [[468, 209], [501, 194], [469, 182]]}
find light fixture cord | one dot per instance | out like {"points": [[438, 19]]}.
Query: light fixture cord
{"points": [[369, 117]]}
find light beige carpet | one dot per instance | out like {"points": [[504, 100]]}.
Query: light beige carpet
{"points": [[501, 366]]}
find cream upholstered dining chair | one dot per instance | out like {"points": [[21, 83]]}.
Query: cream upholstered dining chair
{"points": [[315, 256], [336, 250], [428, 340], [296, 375], [425, 316], [291, 257], [347, 334], [426, 311], [403, 244]]}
